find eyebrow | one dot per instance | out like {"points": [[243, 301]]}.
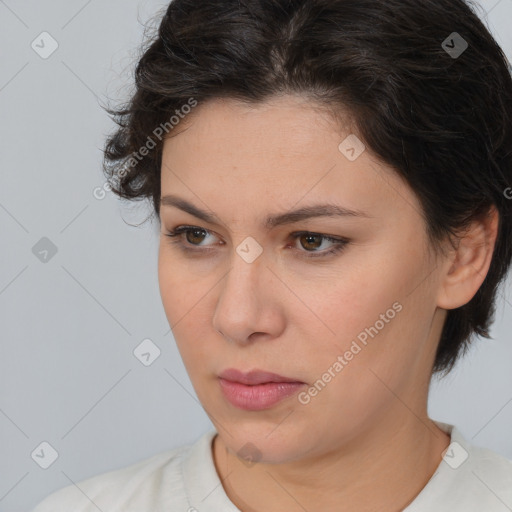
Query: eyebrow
{"points": [[301, 214]]}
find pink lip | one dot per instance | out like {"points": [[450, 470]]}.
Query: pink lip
{"points": [[254, 377], [256, 390]]}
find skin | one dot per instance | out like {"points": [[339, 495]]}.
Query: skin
{"points": [[365, 442]]}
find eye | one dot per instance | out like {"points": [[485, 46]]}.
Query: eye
{"points": [[311, 241], [194, 235]]}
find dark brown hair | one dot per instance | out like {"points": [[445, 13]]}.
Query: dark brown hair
{"points": [[428, 89]]}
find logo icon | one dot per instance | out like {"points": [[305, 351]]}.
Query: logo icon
{"points": [[249, 249], [455, 455], [352, 147], [44, 455], [249, 454], [44, 250], [146, 352], [44, 45], [454, 45]]}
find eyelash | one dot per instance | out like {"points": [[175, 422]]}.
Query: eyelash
{"points": [[176, 238]]}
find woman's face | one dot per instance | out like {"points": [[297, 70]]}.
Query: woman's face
{"points": [[358, 327]]}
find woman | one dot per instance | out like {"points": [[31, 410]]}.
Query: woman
{"points": [[332, 182]]}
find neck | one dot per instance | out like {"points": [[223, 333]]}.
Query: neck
{"points": [[383, 469]]}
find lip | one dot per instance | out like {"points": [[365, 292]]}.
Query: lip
{"points": [[256, 390], [254, 377]]}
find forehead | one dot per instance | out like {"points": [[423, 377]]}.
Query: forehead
{"points": [[293, 116], [285, 151]]}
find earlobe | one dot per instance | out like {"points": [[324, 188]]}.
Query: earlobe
{"points": [[468, 265]]}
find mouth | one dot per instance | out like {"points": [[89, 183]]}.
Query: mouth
{"points": [[256, 390]]}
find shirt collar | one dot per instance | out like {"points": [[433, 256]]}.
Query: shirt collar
{"points": [[201, 481]]}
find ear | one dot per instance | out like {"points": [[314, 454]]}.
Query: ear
{"points": [[468, 264]]}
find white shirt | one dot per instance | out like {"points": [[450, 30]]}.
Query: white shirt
{"points": [[469, 478]]}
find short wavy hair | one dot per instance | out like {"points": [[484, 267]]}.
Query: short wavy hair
{"points": [[427, 88]]}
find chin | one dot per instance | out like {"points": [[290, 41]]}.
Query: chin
{"points": [[263, 441]]}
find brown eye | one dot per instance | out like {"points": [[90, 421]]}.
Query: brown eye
{"points": [[311, 241], [190, 238], [195, 236]]}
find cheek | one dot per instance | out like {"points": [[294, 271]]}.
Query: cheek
{"points": [[184, 298], [344, 307], [352, 384], [369, 321], [171, 291], [180, 289], [380, 348]]}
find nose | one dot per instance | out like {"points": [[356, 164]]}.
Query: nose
{"points": [[248, 306]]}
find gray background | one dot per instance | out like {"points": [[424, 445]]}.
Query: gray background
{"points": [[70, 324]]}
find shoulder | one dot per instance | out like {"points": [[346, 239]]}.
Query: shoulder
{"points": [[486, 473], [492, 472], [469, 478], [134, 487]]}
